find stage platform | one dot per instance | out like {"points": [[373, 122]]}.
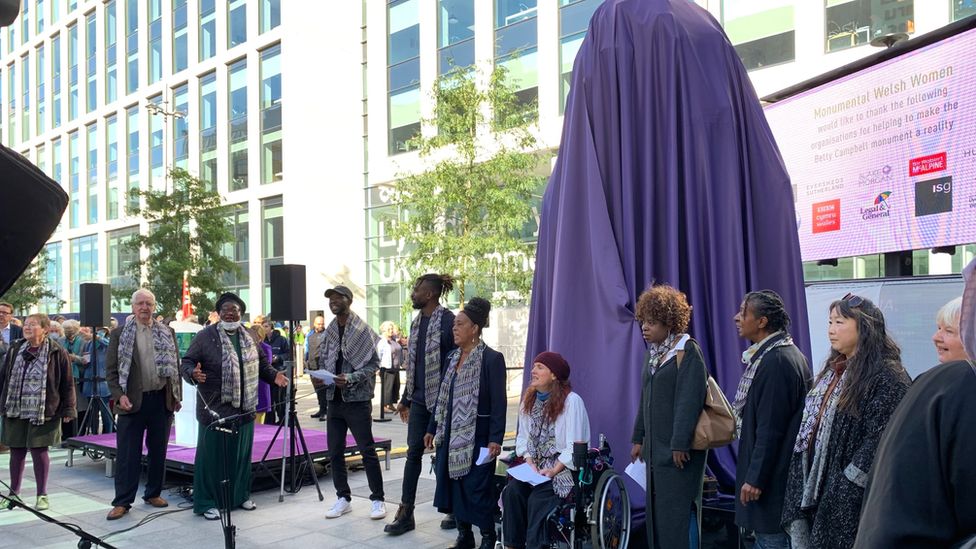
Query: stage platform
{"points": [[180, 459]]}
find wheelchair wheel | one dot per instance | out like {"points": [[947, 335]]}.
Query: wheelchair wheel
{"points": [[610, 513]]}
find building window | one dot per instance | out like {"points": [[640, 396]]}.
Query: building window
{"points": [[25, 27], [208, 129], [25, 104], [180, 36], [120, 256], [236, 23], [92, 137], [74, 180], [237, 125], [155, 40], [132, 159], [208, 29], [761, 32], [84, 264], [112, 167], [157, 172], [270, 14], [271, 153], [853, 23], [455, 34], [12, 111], [56, 160], [91, 92], [72, 72], [237, 250], [181, 128], [272, 240], [574, 19], [40, 16], [962, 8], [55, 11], [52, 279], [516, 45], [403, 73], [56, 79], [40, 159], [111, 53], [131, 46]]}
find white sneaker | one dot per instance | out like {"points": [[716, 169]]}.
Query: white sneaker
{"points": [[379, 510], [341, 507]]}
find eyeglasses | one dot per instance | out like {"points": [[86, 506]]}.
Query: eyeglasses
{"points": [[852, 300]]}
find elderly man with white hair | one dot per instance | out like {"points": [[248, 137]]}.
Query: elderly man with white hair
{"points": [[143, 375]]}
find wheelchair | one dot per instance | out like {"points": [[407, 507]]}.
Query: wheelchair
{"points": [[596, 514]]}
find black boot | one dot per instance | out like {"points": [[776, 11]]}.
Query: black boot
{"points": [[465, 537], [448, 523], [488, 539], [402, 523]]}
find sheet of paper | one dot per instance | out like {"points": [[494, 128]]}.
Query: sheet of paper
{"points": [[483, 456], [324, 376], [637, 471], [525, 473]]}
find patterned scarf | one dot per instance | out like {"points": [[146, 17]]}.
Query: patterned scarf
{"points": [[230, 371], [659, 353], [432, 355], [28, 384], [164, 351], [464, 411], [813, 470], [358, 344], [542, 446], [752, 361]]}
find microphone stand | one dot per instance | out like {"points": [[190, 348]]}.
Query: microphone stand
{"points": [[224, 491], [85, 540]]}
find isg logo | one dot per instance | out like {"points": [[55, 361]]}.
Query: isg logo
{"points": [[879, 209], [876, 177]]}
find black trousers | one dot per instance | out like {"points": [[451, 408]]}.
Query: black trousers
{"points": [[416, 429], [322, 395], [276, 414], [152, 420], [525, 510], [355, 417]]}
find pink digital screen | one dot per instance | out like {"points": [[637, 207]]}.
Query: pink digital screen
{"points": [[884, 159]]}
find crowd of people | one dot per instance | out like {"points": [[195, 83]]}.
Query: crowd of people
{"points": [[853, 454]]}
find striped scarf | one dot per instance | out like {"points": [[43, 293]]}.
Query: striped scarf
{"points": [[432, 356], [358, 344], [164, 352], [813, 475], [464, 409], [542, 447], [749, 357], [231, 381], [28, 384]]}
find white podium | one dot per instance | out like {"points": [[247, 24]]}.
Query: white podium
{"points": [[186, 419]]}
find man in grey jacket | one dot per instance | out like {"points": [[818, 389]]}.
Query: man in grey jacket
{"points": [[349, 352]]}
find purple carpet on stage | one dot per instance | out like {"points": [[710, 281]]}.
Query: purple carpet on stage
{"points": [[667, 172]]}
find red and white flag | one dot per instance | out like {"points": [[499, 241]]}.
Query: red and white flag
{"points": [[187, 306]]}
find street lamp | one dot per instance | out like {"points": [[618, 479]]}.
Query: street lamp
{"points": [[162, 109]]}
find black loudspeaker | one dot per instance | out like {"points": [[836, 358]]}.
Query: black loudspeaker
{"points": [[96, 304], [288, 292]]}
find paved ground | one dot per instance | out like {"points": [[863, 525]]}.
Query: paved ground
{"points": [[82, 495]]}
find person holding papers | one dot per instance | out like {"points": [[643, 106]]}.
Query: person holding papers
{"points": [[552, 417], [469, 415]]}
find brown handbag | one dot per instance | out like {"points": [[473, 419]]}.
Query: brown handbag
{"points": [[716, 423]]}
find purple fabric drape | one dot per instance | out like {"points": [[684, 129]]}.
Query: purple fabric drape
{"points": [[667, 172], [264, 390]]}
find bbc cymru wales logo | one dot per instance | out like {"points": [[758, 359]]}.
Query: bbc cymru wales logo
{"points": [[880, 208]]}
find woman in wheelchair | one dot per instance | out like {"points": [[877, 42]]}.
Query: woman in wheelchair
{"points": [[551, 418]]}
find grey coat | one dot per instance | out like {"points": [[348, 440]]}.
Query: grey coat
{"points": [[671, 401]]}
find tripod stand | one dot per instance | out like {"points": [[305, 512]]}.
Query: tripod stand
{"points": [[94, 399], [290, 443]]}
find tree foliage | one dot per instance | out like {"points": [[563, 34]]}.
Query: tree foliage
{"points": [[188, 231], [470, 213], [30, 288]]}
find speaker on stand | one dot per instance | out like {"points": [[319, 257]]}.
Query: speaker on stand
{"points": [[96, 304]]}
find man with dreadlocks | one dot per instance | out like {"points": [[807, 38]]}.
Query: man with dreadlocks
{"points": [[431, 341], [768, 406]]}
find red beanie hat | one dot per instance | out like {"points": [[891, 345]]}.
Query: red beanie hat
{"points": [[555, 362]]}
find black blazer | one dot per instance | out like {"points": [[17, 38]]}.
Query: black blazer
{"points": [[16, 332]]}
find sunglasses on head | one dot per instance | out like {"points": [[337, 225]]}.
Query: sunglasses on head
{"points": [[852, 300]]}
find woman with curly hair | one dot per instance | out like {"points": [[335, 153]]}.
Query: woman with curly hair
{"points": [[672, 398], [844, 416]]}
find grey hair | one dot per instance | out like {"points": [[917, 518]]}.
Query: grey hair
{"points": [[949, 314], [143, 291], [71, 324]]}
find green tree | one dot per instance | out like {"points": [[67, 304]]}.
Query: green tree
{"points": [[188, 231], [470, 213], [31, 288]]}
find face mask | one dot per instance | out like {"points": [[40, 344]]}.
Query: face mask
{"points": [[230, 326]]}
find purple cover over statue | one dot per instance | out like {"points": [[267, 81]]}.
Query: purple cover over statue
{"points": [[667, 172]]}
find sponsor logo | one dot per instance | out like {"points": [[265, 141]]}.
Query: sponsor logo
{"points": [[927, 164], [827, 186], [933, 196], [880, 208], [826, 216], [875, 177]]}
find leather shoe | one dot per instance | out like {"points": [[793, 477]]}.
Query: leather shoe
{"points": [[157, 502], [448, 523], [317, 415], [403, 522], [465, 540], [117, 512]]}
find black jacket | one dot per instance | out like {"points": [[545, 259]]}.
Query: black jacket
{"points": [[280, 349], [770, 421], [16, 332]]}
